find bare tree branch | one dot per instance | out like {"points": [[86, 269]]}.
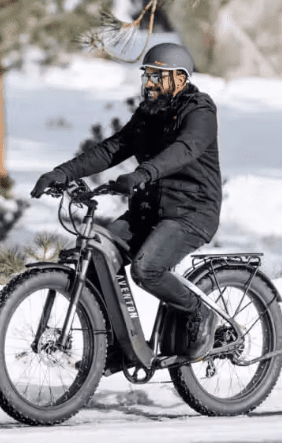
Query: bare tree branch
{"points": [[4, 3]]}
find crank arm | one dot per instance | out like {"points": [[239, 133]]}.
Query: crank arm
{"points": [[174, 360]]}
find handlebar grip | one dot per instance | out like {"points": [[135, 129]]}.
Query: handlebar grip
{"points": [[115, 188]]}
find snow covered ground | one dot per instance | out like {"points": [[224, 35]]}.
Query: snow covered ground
{"points": [[250, 134]]}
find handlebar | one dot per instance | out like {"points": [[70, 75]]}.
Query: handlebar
{"points": [[80, 192]]}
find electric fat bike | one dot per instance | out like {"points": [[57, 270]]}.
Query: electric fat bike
{"points": [[64, 325]]}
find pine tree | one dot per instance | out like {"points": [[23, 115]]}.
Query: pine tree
{"points": [[45, 24]]}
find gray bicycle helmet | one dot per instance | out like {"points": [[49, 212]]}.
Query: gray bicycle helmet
{"points": [[169, 56]]}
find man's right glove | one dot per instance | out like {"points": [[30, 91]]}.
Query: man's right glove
{"points": [[126, 183], [46, 180]]}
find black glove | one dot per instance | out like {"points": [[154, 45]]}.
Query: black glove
{"points": [[46, 180], [126, 183]]}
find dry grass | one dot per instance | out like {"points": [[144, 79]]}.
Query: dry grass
{"points": [[46, 247]]}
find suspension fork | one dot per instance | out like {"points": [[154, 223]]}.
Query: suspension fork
{"points": [[81, 272], [76, 287], [43, 322], [76, 290]]}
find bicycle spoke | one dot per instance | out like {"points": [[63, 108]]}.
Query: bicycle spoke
{"points": [[221, 297], [48, 374], [230, 380]]}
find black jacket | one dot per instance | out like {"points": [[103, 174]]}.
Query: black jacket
{"points": [[178, 149]]}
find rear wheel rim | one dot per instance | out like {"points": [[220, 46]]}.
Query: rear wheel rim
{"points": [[230, 382]]}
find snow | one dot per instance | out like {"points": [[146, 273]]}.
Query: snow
{"points": [[184, 430], [250, 133], [264, 199]]}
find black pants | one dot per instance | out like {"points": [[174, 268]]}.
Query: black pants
{"points": [[155, 251]]}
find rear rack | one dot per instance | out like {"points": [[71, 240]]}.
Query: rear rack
{"points": [[252, 258], [234, 254]]}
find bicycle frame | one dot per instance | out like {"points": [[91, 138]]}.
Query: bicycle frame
{"points": [[66, 325], [120, 305], [106, 254]]}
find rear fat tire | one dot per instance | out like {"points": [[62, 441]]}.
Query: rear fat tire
{"points": [[92, 349], [191, 387]]}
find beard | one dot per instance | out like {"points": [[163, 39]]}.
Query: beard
{"points": [[155, 106]]}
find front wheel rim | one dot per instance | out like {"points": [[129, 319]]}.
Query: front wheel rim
{"points": [[48, 377]]}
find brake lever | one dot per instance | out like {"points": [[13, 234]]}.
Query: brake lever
{"points": [[56, 190], [103, 189], [53, 192]]}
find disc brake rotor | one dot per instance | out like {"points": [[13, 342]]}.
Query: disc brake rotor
{"points": [[48, 350]]}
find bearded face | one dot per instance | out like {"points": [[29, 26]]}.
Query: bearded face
{"points": [[158, 89], [156, 106]]}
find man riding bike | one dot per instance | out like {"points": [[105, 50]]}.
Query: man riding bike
{"points": [[175, 210]]}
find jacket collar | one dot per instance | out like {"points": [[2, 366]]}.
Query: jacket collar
{"points": [[192, 96], [183, 96]]}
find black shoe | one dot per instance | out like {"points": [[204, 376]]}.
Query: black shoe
{"points": [[201, 327]]}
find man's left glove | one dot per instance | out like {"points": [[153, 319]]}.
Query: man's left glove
{"points": [[46, 180], [127, 183]]}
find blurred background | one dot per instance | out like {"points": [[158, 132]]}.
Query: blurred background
{"points": [[60, 88]]}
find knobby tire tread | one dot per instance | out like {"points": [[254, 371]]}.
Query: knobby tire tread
{"points": [[5, 404], [178, 377]]}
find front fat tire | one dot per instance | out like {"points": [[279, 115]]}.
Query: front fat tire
{"points": [[193, 388], [92, 349]]}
